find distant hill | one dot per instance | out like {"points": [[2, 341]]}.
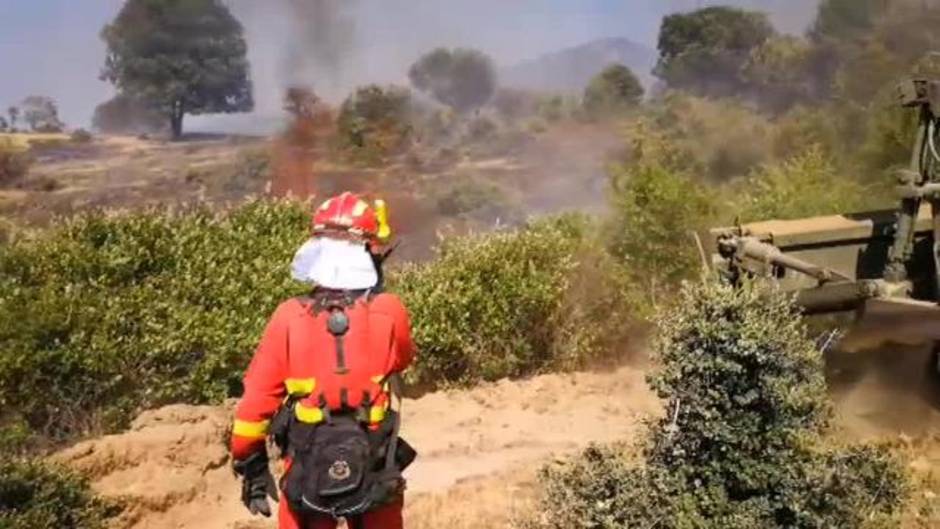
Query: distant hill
{"points": [[571, 69]]}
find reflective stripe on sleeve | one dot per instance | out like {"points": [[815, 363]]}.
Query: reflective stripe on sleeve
{"points": [[300, 386], [251, 430]]}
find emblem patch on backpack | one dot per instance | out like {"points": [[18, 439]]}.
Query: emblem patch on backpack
{"points": [[340, 470]]}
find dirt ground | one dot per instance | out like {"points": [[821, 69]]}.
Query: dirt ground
{"points": [[480, 448], [479, 451]]}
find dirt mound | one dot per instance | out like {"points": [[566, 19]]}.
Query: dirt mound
{"points": [[481, 448], [483, 443]]}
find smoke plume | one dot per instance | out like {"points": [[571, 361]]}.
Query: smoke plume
{"points": [[322, 44]]}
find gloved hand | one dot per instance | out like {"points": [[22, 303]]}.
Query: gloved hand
{"points": [[257, 484]]}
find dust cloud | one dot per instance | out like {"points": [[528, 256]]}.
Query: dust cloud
{"points": [[884, 376]]}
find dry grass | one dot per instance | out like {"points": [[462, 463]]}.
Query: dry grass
{"points": [[24, 140]]}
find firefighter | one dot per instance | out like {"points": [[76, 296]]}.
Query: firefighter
{"points": [[321, 383]]}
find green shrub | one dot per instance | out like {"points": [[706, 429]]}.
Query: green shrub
{"points": [[552, 108], [612, 92], [514, 303], [81, 136], [465, 194], [374, 122], [655, 213], [34, 495], [741, 443], [105, 314], [14, 162], [889, 133], [715, 140], [804, 186], [804, 128]]}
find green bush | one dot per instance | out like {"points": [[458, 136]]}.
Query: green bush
{"points": [[741, 443], [466, 193], [656, 210], [14, 162], [34, 495], [804, 186], [714, 139], [375, 122], [105, 314], [806, 127], [613, 91], [514, 303], [81, 136], [553, 108]]}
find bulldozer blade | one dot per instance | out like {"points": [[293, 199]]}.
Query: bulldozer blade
{"points": [[893, 321]]}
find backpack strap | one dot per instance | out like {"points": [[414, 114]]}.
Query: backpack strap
{"points": [[394, 384]]}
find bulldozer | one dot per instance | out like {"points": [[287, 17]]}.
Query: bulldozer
{"points": [[881, 266]]}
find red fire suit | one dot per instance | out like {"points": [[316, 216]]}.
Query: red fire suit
{"points": [[298, 356]]}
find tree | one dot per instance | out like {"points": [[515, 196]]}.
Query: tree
{"points": [[124, 114], [779, 73], [615, 89], [14, 113], [4, 124], [41, 114], [842, 19], [464, 79], [181, 57], [704, 51]]}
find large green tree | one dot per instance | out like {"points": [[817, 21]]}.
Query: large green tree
{"points": [[464, 79], [704, 50], [180, 56]]}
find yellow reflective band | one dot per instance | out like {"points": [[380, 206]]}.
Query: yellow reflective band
{"points": [[308, 415], [251, 430], [378, 379], [377, 414], [300, 386], [381, 215]]}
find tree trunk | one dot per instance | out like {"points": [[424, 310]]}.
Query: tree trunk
{"points": [[176, 120]]}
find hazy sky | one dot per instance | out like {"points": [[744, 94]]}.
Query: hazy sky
{"points": [[52, 47]]}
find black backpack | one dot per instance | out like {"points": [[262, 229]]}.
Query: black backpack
{"points": [[343, 469]]}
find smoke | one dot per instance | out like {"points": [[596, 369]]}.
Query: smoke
{"points": [[332, 46], [322, 44]]}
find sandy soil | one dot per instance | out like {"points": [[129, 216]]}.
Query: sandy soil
{"points": [[482, 444], [481, 448]]}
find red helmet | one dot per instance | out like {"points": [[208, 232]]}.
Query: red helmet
{"points": [[346, 215]]}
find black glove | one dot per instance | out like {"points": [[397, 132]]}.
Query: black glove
{"points": [[257, 484]]}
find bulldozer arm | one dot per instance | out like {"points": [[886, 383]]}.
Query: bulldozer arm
{"points": [[833, 263], [882, 265]]}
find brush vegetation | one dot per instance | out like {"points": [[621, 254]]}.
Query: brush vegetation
{"points": [[742, 442]]}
